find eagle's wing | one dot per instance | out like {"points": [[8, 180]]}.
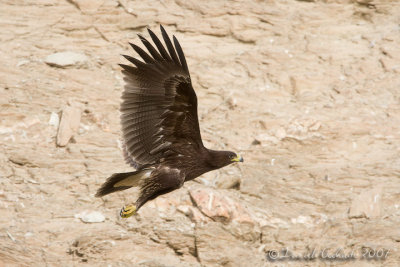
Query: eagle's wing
{"points": [[159, 107]]}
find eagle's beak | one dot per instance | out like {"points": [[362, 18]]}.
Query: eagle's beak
{"points": [[238, 159]]}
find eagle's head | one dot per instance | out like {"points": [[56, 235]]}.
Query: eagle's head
{"points": [[219, 159]]}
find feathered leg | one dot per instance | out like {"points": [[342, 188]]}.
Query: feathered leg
{"points": [[154, 186]]}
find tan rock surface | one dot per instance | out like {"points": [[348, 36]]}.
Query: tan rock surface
{"points": [[367, 204], [307, 91], [69, 124]]}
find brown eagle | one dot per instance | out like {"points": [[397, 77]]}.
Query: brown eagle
{"points": [[160, 126]]}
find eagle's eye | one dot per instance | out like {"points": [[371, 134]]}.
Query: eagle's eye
{"points": [[231, 156]]}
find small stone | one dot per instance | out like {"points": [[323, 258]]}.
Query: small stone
{"points": [[28, 234], [184, 209], [70, 120], [22, 62], [54, 119], [367, 204], [91, 217], [264, 139], [232, 102], [256, 142], [280, 133], [66, 59]]}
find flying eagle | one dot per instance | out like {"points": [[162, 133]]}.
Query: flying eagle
{"points": [[160, 127]]}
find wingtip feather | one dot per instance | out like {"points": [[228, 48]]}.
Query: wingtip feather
{"points": [[181, 55], [146, 57], [169, 45]]}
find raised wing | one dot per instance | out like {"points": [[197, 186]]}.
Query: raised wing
{"points": [[159, 107]]}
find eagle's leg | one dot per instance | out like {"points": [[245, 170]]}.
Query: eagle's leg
{"points": [[152, 188]]}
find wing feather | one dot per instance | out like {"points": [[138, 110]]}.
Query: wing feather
{"points": [[159, 105], [142, 54], [159, 45], [169, 45], [181, 55], [151, 48]]}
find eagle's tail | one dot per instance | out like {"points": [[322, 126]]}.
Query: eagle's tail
{"points": [[122, 181]]}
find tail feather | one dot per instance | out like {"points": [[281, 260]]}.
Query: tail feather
{"points": [[122, 181]]}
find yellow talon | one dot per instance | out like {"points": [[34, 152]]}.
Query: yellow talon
{"points": [[127, 211]]}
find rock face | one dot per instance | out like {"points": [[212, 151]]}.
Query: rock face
{"points": [[228, 182], [213, 248], [306, 91], [66, 59], [367, 204], [69, 124]]}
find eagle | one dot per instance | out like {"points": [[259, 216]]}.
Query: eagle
{"points": [[160, 126]]}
